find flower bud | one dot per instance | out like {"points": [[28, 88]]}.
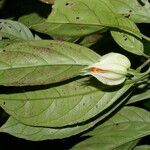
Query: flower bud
{"points": [[111, 69]]}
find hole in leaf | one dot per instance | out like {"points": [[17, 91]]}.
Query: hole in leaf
{"points": [[141, 3]]}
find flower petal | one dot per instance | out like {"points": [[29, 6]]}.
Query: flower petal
{"points": [[115, 58], [109, 81]]}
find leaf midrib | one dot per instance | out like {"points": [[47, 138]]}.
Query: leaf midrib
{"points": [[94, 24], [20, 67], [60, 97]]}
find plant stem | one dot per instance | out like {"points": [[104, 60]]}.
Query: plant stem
{"points": [[143, 65], [48, 1]]}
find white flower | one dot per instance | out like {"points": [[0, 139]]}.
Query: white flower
{"points": [[111, 69]]}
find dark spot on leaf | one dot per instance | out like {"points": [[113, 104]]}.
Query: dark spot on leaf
{"points": [[4, 103], [125, 37], [83, 104], [77, 17], [4, 50], [130, 11], [67, 4], [116, 124], [141, 3], [127, 15]]}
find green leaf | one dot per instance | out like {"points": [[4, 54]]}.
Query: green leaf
{"points": [[14, 30], [42, 62], [68, 104], [129, 124], [79, 18], [99, 15], [128, 42], [33, 133], [136, 10], [142, 147], [139, 97], [20, 130], [69, 19]]}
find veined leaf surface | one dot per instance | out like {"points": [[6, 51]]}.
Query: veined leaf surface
{"points": [[42, 62], [127, 125], [68, 104], [35, 133]]}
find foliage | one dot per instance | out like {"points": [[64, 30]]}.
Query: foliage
{"points": [[47, 57]]}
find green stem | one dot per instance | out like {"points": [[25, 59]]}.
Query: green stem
{"points": [[145, 37], [143, 65]]}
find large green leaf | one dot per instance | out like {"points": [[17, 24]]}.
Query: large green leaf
{"points": [[136, 10], [42, 62], [68, 104], [20, 130], [15, 30], [127, 125], [78, 18]]}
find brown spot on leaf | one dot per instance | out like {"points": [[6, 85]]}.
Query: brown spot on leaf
{"points": [[69, 4]]}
